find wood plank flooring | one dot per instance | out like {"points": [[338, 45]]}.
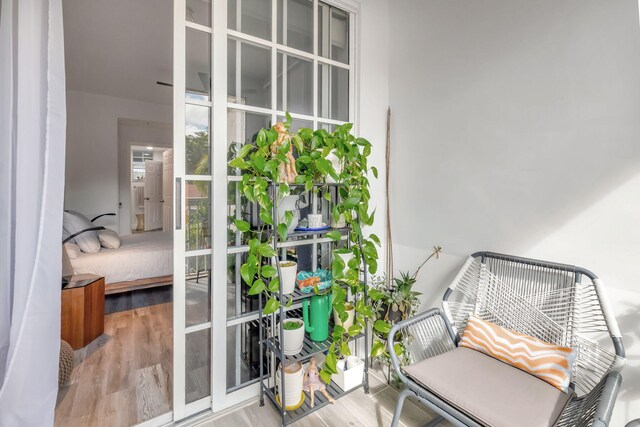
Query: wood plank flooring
{"points": [[125, 376]]}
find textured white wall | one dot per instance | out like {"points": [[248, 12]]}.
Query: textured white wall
{"points": [[91, 185], [517, 129]]}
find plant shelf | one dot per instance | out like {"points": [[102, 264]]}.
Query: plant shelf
{"points": [[320, 401]]}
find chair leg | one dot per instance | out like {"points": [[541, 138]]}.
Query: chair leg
{"points": [[396, 414]]}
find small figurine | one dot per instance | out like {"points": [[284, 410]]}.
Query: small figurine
{"points": [[313, 382], [286, 171]]}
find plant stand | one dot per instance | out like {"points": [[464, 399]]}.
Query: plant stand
{"points": [[271, 329]]}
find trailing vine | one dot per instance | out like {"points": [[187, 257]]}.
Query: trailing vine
{"points": [[262, 163]]}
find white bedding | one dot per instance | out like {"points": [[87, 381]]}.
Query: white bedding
{"points": [[140, 256]]}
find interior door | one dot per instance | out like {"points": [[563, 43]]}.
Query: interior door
{"points": [[167, 190], [152, 195], [192, 207]]}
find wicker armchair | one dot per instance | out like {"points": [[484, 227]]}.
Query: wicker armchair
{"points": [[559, 304]]}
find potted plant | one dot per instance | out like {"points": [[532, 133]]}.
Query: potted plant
{"points": [[395, 301], [293, 336], [288, 272], [270, 159]]}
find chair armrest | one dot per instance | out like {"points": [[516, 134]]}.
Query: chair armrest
{"points": [[604, 405], [432, 334], [593, 409]]}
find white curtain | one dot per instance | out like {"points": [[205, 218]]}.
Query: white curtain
{"points": [[32, 152]]}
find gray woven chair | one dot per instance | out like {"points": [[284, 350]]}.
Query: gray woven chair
{"points": [[559, 304]]}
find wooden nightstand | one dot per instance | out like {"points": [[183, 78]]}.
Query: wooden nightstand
{"points": [[82, 309]]}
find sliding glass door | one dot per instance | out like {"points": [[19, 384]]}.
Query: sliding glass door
{"points": [[239, 66], [193, 210]]}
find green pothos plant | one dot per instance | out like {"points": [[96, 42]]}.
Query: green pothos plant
{"points": [[260, 162]]}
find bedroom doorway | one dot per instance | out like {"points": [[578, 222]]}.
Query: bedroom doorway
{"points": [[150, 190]]}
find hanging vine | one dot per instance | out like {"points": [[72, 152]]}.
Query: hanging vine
{"points": [[301, 158]]}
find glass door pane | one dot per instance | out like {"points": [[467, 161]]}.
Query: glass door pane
{"points": [[192, 290]]}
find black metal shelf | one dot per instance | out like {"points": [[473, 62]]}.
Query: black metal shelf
{"points": [[270, 342], [309, 347], [320, 401]]}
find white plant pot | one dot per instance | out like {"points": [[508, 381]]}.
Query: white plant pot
{"points": [[293, 378], [293, 339], [340, 223], [288, 274], [349, 322], [346, 257]]}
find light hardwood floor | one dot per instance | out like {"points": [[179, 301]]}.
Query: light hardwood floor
{"points": [[125, 376]]}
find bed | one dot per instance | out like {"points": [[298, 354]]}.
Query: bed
{"points": [[143, 260]]}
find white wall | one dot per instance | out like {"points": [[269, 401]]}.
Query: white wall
{"points": [[92, 149], [373, 73], [517, 129]]}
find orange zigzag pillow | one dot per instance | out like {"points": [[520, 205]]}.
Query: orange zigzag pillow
{"points": [[549, 362]]}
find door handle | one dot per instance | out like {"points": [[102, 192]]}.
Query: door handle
{"points": [[178, 202]]}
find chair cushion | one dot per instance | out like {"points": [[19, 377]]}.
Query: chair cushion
{"points": [[488, 390], [549, 362]]}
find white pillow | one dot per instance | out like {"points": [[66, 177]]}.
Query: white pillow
{"points": [[72, 222], [109, 239], [73, 250]]}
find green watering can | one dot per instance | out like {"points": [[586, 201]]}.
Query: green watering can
{"points": [[317, 323]]}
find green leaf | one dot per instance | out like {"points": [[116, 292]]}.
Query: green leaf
{"points": [[274, 285], [354, 330], [288, 117], [271, 306], [283, 190], [266, 250], [382, 326], [327, 196], [253, 245], [325, 375], [330, 362], [257, 287], [268, 271], [239, 163], [244, 151], [271, 166], [247, 273], [282, 231], [344, 349], [259, 163], [375, 171], [334, 235], [288, 217], [304, 159], [397, 348], [377, 349], [305, 134], [261, 138], [241, 225], [375, 238], [266, 217]]}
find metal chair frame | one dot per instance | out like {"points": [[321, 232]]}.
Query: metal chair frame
{"points": [[557, 303]]}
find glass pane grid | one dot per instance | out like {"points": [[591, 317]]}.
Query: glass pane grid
{"points": [[310, 79]]}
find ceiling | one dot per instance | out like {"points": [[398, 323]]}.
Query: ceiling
{"points": [[119, 48]]}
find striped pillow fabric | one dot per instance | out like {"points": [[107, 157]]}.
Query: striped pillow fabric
{"points": [[549, 362]]}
